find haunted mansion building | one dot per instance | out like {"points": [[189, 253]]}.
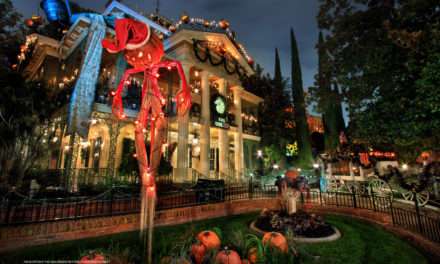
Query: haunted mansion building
{"points": [[218, 138]]}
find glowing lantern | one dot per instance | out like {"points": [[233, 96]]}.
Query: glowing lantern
{"points": [[224, 24], [184, 18], [38, 20], [29, 22]]}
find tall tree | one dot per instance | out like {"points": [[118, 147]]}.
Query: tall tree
{"points": [[10, 34], [272, 114], [277, 76], [25, 107], [340, 123], [328, 99], [305, 157], [384, 55]]}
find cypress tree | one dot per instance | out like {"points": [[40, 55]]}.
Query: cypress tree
{"points": [[339, 112], [278, 78], [305, 157], [327, 100]]}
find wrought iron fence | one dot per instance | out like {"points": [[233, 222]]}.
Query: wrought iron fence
{"points": [[76, 179], [13, 212], [410, 217], [116, 203]]}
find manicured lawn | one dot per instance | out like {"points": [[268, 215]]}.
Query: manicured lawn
{"points": [[360, 243]]}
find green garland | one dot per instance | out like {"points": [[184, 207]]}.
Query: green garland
{"points": [[223, 60]]}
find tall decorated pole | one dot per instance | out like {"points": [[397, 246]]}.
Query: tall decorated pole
{"points": [[144, 51], [305, 157]]}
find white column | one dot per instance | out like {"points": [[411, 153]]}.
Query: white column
{"points": [[182, 140], [350, 167], [205, 126], [223, 139], [238, 136]]}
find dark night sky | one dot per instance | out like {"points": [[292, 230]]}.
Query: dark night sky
{"points": [[261, 25]]}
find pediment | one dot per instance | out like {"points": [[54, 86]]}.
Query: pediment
{"points": [[213, 41]]}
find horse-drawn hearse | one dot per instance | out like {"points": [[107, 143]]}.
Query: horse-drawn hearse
{"points": [[380, 174]]}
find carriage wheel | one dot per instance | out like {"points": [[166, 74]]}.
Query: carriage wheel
{"points": [[333, 185], [407, 195], [352, 187], [363, 188], [382, 190], [422, 198]]}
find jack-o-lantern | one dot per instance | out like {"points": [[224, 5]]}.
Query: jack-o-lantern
{"points": [[227, 256], [92, 257], [209, 239], [276, 240], [198, 252]]}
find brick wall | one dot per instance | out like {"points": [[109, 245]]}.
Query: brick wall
{"points": [[14, 237]]}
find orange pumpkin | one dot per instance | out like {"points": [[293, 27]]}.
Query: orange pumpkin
{"points": [[276, 240], [252, 255], [92, 258], [291, 174], [198, 251], [209, 239], [228, 257]]}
